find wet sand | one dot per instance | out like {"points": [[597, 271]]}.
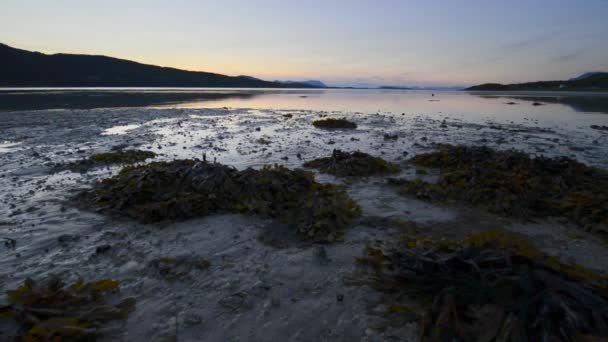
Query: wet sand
{"points": [[264, 284]]}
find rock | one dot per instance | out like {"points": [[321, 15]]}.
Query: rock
{"points": [[67, 238], [102, 249], [391, 137]]}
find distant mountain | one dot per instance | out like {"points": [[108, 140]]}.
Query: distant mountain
{"points": [[592, 81], [586, 75], [21, 68], [393, 87], [310, 83], [438, 88]]}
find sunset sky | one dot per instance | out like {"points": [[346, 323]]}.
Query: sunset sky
{"points": [[341, 42]]}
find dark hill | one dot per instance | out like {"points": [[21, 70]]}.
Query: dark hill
{"points": [[588, 82], [21, 68]]}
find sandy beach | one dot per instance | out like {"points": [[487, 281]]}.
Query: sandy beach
{"points": [[263, 282]]}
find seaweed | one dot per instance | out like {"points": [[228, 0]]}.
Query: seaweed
{"points": [[184, 189], [599, 128], [512, 183], [104, 159], [352, 164], [493, 287], [54, 311], [330, 123]]}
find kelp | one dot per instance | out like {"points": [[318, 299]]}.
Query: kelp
{"points": [[330, 123], [599, 128], [53, 311], [512, 183], [493, 287], [184, 189], [105, 159], [352, 164]]}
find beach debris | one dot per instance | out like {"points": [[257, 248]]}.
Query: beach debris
{"points": [[330, 123], [491, 287], [105, 159], [53, 311], [352, 164], [512, 183], [184, 189], [178, 268], [263, 141]]}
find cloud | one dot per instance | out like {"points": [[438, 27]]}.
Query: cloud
{"points": [[569, 56], [532, 41]]}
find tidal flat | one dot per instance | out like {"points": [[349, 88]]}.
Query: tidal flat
{"points": [[231, 276]]}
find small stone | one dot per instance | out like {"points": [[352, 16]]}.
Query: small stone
{"points": [[102, 249]]}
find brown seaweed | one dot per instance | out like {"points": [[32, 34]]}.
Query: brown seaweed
{"points": [[330, 123], [493, 287], [54, 311], [352, 164], [512, 183], [105, 159], [184, 189]]}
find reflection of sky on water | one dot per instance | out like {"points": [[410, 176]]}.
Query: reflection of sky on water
{"points": [[7, 146], [120, 130], [557, 109]]}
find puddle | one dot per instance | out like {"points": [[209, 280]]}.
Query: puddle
{"points": [[119, 130], [7, 146]]}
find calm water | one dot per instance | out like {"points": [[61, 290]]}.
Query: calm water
{"points": [[563, 109]]}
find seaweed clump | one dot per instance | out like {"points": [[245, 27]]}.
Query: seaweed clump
{"points": [[514, 184], [108, 158], [184, 189], [54, 311], [352, 164], [330, 123], [493, 287]]}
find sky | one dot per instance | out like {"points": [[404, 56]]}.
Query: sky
{"points": [[341, 42]]}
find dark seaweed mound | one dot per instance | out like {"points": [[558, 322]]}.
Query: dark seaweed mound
{"points": [[54, 311], [352, 164], [494, 288], [334, 123], [185, 189], [105, 159], [513, 183]]}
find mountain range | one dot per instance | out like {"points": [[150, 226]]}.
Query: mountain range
{"points": [[22, 68], [591, 81]]}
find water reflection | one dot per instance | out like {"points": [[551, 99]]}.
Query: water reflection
{"points": [[558, 109], [578, 102], [11, 100]]}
